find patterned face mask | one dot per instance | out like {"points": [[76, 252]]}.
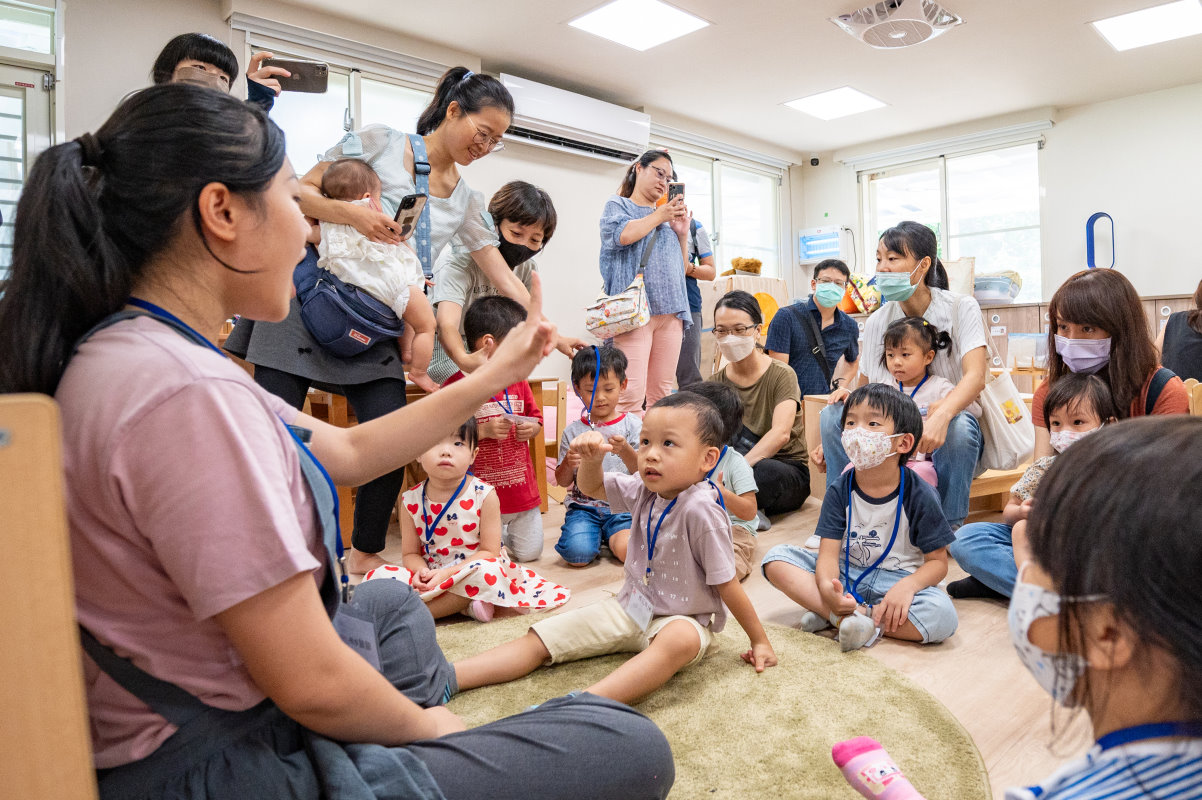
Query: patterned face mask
{"points": [[868, 449], [1062, 439]]}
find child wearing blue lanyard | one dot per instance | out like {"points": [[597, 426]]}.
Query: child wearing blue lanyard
{"points": [[733, 476], [883, 536], [909, 348], [680, 572], [1107, 615]]}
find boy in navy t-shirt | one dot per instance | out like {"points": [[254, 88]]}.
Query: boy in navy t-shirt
{"points": [[884, 536]]}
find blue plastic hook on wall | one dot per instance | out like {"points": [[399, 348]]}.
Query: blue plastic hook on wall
{"points": [[1090, 260]]}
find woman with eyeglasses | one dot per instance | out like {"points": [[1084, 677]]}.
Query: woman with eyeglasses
{"points": [[773, 436], [463, 123], [631, 223]]}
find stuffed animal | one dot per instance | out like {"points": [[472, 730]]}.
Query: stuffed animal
{"points": [[752, 265]]}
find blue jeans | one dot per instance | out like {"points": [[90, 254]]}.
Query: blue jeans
{"points": [[585, 529], [986, 552], [956, 463], [931, 610]]}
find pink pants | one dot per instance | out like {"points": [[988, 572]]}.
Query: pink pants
{"points": [[652, 353]]}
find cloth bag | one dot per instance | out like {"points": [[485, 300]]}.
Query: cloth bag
{"points": [[615, 314], [1006, 424]]}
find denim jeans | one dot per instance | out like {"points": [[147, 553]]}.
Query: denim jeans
{"points": [[985, 551], [931, 610], [956, 463], [585, 529]]}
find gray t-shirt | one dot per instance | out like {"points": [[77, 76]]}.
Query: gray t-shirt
{"points": [[628, 426], [459, 279], [693, 549]]}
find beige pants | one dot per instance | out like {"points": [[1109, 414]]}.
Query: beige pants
{"points": [[744, 543]]}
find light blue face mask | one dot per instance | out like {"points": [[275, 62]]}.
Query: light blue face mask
{"points": [[895, 286], [828, 295]]}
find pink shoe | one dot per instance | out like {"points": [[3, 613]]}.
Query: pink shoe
{"points": [[871, 772], [480, 610]]}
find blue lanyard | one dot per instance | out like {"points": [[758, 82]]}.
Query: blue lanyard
{"points": [[852, 586], [1155, 730], [331, 533], [655, 534], [721, 456], [596, 377], [426, 512], [916, 388], [503, 401], [159, 311]]}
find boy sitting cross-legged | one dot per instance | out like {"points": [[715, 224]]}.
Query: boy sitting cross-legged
{"points": [[884, 536], [679, 566], [598, 376]]}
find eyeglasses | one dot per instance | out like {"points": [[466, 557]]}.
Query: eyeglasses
{"points": [[482, 138], [842, 284], [738, 330], [661, 174]]}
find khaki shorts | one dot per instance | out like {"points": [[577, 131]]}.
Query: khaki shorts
{"points": [[744, 545], [603, 628]]}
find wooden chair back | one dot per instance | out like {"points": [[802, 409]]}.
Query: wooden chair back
{"points": [[44, 739]]}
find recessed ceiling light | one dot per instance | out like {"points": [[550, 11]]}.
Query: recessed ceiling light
{"points": [[638, 24], [1152, 25], [836, 103]]}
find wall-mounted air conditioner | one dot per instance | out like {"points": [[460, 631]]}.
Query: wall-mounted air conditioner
{"points": [[563, 120]]}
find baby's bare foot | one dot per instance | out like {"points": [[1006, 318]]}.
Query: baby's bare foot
{"points": [[423, 381]]}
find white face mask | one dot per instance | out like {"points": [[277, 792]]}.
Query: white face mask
{"points": [[1062, 439], [736, 348], [867, 449], [1057, 673]]}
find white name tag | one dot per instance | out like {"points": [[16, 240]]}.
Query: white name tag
{"points": [[359, 635], [638, 606]]}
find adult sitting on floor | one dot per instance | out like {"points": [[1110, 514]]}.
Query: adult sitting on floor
{"points": [[202, 527]]}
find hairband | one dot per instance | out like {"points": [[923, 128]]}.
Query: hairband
{"points": [[90, 149], [466, 75]]}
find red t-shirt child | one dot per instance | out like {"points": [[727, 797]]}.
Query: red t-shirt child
{"points": [[505, 463]]}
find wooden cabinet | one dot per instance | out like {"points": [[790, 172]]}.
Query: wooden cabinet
{"points": [[1159, 309]]}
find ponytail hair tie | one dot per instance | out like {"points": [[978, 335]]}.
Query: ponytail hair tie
{"points": [[90, 150], [466, 75]]}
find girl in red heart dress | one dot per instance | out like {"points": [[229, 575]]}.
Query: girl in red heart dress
{"points": [[451, 541]]}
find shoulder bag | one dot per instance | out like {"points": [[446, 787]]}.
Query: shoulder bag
{"points": [[615, 314]]}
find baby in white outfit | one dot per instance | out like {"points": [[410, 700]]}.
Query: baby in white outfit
{"points": [[391, 273]]}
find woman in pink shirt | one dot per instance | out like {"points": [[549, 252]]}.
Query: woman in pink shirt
{"points": [[201, 527]]}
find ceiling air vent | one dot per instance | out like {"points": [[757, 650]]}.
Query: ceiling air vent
{"points": [[898, 23]]}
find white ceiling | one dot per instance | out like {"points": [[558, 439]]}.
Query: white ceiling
{"points": [[1010, 55]]}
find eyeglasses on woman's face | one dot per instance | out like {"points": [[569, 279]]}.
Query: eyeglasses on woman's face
{"points": [[737, 330], [484, 140]]}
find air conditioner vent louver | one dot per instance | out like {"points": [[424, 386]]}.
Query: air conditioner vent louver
{"points": [[898, 23], [536, 137]]}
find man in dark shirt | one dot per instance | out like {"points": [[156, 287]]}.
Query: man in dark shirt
{"points": [[791, 337]]}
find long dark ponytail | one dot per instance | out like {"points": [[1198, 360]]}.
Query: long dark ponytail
{"points": [[96, 210], [626, 189], [916, 240], [471, 90]]}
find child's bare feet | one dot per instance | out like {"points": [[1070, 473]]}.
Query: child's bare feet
{"points": [[359, 563], [423, 381]]}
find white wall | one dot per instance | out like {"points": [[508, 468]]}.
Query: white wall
{"points": [[1135, 158]]}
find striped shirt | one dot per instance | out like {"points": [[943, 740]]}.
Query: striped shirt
{"points": [[1164, 769]]}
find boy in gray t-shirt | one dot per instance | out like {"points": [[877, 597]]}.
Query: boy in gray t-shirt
{"points": [[680, 575], [599, 377]]}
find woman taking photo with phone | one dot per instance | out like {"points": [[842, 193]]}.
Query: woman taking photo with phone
{"points": [[464, 122], [635, 231]]}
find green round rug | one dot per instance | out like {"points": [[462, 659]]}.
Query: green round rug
{"points": [[737, 734]]}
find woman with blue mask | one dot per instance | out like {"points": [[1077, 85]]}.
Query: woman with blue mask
{"points": [[913, 283], [1096, 327]]}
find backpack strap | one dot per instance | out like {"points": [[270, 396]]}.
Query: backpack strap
{"points": [[421, 182], [818, 350], [1159, 380]]}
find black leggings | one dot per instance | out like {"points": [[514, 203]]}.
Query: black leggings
{"points": [[376, 498], [784, 484]]}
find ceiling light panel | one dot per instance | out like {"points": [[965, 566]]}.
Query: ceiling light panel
{"points": [[841, 102], [638, 24], [1152, 25]]}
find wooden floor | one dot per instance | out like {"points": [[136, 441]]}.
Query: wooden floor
{"points": [[976, 673]]}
